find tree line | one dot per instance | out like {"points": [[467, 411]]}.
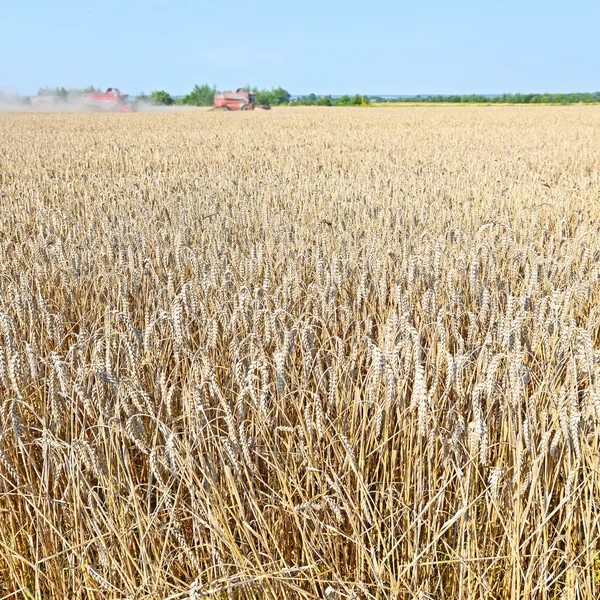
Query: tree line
{"points": [[574, 98], [204, 95], [62, 92], [345, 100]]}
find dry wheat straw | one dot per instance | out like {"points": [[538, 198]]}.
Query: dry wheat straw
{"points": [[309, 353]]}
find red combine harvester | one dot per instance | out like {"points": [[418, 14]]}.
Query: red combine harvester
{"points": [[111, 101], [238, 100]]}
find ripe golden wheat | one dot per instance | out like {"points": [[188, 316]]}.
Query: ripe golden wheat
{"points": [[306, 353]]}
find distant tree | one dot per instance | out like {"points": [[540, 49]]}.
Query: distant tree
{"points": [[517, 98], [303, 101], [201, 95], [323, 101], [161, 98], [264, 97], [62, 92], [273, 97], [283, 95], [279, 96], [356, 100]]}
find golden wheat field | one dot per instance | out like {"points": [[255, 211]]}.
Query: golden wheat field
{"points": [[311, 353]]}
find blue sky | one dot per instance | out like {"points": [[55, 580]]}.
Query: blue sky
{"points": [[320, 46]]}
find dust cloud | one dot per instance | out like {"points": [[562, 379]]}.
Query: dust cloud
{"points": [[78, 102]]}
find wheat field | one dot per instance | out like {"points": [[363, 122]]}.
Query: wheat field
{"points": [[311, 353]]}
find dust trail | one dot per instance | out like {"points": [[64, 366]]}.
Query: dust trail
{"points": [[12, 102], [76, 102]]}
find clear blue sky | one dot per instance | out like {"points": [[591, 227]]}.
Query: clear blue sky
{"points": [[320, 46]]}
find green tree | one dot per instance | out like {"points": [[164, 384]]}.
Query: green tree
{"points": [[60, 92], [279, 96], [356, 100], [282, 95], [161, 98], [264, 97], [323, 101], [64, 93], [201, 95], [273, 97]]}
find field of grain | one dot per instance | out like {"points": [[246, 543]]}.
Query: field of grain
{"points": [[311, 353]]}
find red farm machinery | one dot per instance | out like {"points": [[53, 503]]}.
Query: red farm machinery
{"points": [[238, 100], [110, 101]]}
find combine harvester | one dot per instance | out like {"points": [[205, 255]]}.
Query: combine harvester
{"points": [[111, 101], [238, 100]]}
